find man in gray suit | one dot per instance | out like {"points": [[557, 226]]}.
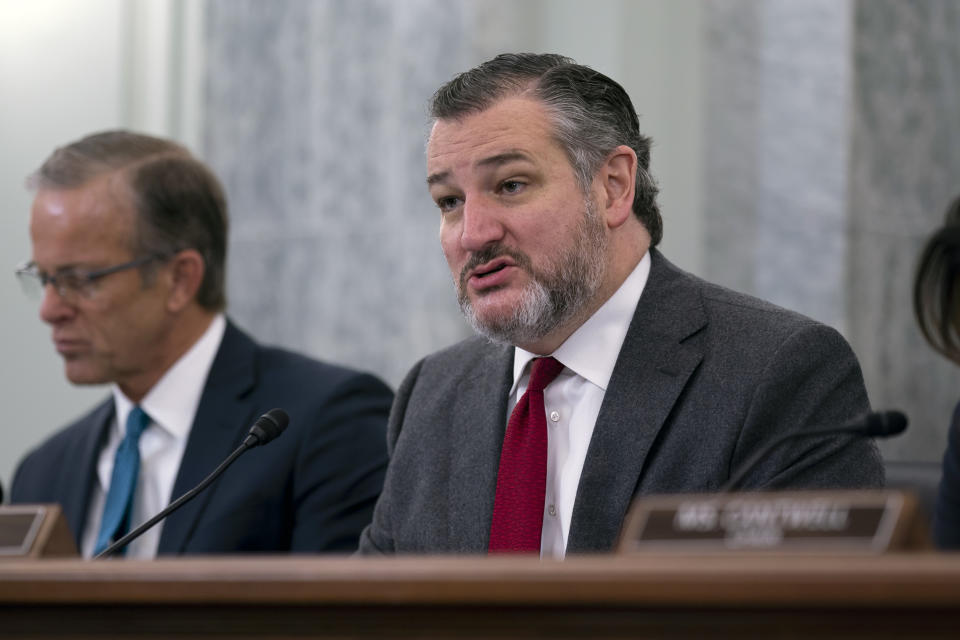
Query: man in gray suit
{"points": [[645, 379]]}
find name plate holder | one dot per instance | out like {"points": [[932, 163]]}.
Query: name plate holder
{"points": [[782, 522], [34, 531]]}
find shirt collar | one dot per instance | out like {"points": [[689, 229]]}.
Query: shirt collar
{"points": [[172, 402], [592, 350]]}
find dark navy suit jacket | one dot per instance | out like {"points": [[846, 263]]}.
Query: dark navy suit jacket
{"points": [[311, 489], [946, 519]]}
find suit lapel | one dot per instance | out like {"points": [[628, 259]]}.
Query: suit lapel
{"points": [[477, 438], [224, 412], [78, 480], [651, 371]]}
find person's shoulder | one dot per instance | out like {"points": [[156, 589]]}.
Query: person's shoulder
{"points": [[472, 347], [717, 297], [283, 364], [281, 359], [70, 438], [738, 320], [93, 419], [315, 393], [310, 381], [734, 307], [448, 367], [954, 434], [465, 356], [750, 324], [720, 299]]}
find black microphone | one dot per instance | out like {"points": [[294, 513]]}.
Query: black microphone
{"points": [[878, 424], [266, 428]]}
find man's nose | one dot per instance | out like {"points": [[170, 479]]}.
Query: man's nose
{"points": [[482, 224], [53, 307]]}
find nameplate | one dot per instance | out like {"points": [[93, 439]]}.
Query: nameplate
{"points": [[34, 531], [816, 521]]}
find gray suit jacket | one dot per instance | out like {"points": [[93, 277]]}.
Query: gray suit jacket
{"points": [[705, 378]]}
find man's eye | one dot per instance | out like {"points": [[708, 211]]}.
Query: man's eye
{"points": [[72, 281], [512, 186], [448, 203]]}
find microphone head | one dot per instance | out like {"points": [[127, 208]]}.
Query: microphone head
{"points": [[268, 426], [883, 424]]}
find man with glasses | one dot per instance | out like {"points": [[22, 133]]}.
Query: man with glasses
{"points": [[129, 236]]}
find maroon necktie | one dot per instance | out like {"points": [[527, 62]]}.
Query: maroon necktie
{"points": [[522, 479]]}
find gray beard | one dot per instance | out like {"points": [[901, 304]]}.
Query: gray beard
{"points": [[554, 295]]}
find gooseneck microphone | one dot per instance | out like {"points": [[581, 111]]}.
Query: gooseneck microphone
{"points": [[266, 428], [878, 424]]}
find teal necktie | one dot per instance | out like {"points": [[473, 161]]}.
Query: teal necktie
{"points": [[123, 482]]}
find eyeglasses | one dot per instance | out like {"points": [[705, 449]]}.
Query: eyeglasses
{"points": [[72, 284]]}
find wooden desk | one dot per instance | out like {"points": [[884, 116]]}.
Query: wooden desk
{"points": [[906, 596]]}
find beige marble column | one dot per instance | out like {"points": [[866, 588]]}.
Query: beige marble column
{"points": [[904, 169], [316, 120]]}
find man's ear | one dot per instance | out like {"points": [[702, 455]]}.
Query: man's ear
{"points": [[185, 271], [618, 179]]}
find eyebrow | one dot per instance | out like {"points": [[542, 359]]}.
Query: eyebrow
{"points": [[59, 269], [496, 160], [434, 178]]}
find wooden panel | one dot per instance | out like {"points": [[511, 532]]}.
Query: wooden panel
{"points": [[604, 597]]}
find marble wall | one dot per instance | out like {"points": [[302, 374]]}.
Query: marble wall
{"points": [[334, 246], [777, 76], [832, 137], [904, 169]]}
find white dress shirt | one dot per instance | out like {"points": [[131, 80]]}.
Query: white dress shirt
{"points": [[573, 400], [172, 405]]}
